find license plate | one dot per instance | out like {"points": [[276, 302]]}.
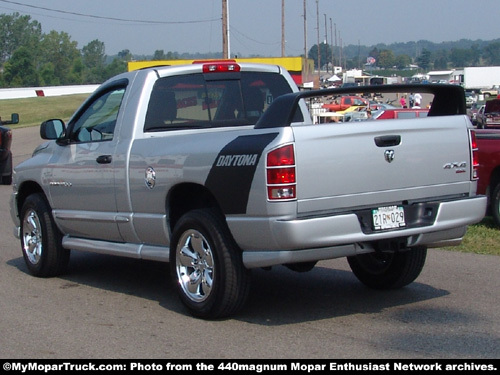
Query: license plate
{"points": [[388, 217]]}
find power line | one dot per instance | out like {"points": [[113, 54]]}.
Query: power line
{"points": [[110, 18]]}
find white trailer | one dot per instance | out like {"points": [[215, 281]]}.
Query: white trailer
{"points": [[481, 77]]}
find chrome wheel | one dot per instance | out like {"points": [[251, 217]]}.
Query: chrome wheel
{"points": [[32, 237], [195, 266]]}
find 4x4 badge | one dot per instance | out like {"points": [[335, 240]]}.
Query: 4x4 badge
{"points": [[389, 155]]}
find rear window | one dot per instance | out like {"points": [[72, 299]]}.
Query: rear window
{"points": [[190, 101]]}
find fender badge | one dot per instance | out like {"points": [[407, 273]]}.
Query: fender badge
{"points": [[389, 156], [150, 177]]}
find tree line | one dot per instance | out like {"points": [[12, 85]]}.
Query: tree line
{"points": [[29, 57], [426, 55]]}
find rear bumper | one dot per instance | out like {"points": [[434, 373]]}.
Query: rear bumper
{"points": [[281, 240]]}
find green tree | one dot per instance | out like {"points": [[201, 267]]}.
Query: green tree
{"points": [[94, 59], [402, 61], [460, 57], [386, 59], [159, 55], [20, 70], [325, 54], [58, 49], [117, 66], [424, 60], [16, 31], [125, 55], [491, 53], [440, 59]]}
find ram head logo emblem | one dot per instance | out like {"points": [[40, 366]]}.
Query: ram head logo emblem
{"points": [[389, 155]]}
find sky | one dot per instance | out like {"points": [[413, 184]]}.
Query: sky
{"points": [[144, 26]]}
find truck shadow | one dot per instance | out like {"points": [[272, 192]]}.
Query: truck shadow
{"points": [[281, 296], [277, 297]]}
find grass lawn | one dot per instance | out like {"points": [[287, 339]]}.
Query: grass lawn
{"points": [[33, 111], [482, 238]]}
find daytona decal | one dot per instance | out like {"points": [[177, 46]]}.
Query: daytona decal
{"points": [[236, 160], [232, 173]]}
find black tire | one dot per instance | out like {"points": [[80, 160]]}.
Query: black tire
{"points": [[495, 204], [7, 178], [206, 266], [41, 240], [388, 270]]}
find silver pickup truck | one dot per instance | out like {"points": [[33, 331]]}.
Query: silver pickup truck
{"points": [[220, 167]]}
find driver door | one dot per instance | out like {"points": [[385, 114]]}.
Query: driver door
{"points": [[82, 182]]}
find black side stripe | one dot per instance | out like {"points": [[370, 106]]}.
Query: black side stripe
{"points": [[233, 171]]}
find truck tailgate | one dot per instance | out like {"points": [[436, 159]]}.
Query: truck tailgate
{"points": [[381, 162]]}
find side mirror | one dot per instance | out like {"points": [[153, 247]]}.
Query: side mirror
{"points": [[52, 129], [14, 119]]}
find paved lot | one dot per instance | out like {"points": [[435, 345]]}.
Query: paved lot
{"points": [[107, 307]]}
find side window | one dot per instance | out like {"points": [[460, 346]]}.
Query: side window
{"points": [[97, 122]]}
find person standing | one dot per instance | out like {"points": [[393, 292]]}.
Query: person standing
{"points": [[411, 100], [418, 99], [402, 101]]}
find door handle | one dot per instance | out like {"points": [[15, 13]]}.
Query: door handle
{"points": [[388, 140], [104, 159]]}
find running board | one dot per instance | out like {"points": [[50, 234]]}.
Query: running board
{"points": [[130, 250]]}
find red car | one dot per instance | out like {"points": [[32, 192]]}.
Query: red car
{"points": [[489, 115], [344, 102], [400, 113]]}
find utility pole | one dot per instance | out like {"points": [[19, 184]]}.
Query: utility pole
{"points": [[335, 27], [326, 43], [283, 28], [306, 65], [331, 38], [225, 30], [319, 49]]}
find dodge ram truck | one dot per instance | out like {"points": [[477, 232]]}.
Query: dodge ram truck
{"points": [[218, 168]]}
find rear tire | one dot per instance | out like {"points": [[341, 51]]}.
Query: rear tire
{"points": [[41, 241], [495, 204], [388, 270], [206, 266]]}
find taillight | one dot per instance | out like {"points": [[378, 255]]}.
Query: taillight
{"points": [[474, 155], [280, 170], [221, 67]]}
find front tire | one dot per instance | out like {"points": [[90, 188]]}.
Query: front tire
{"points": [[388, 270], [207, 267], [41, 241]]}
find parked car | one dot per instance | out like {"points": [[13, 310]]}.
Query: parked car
{"points": [[344, 102], [470, 98], [5, 152], [400, 113], [488, 116], [473, 110]]}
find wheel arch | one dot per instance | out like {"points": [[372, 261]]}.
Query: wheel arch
{"points": [[494, 181], [494, 178], [25, 190], [186, 197]]}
